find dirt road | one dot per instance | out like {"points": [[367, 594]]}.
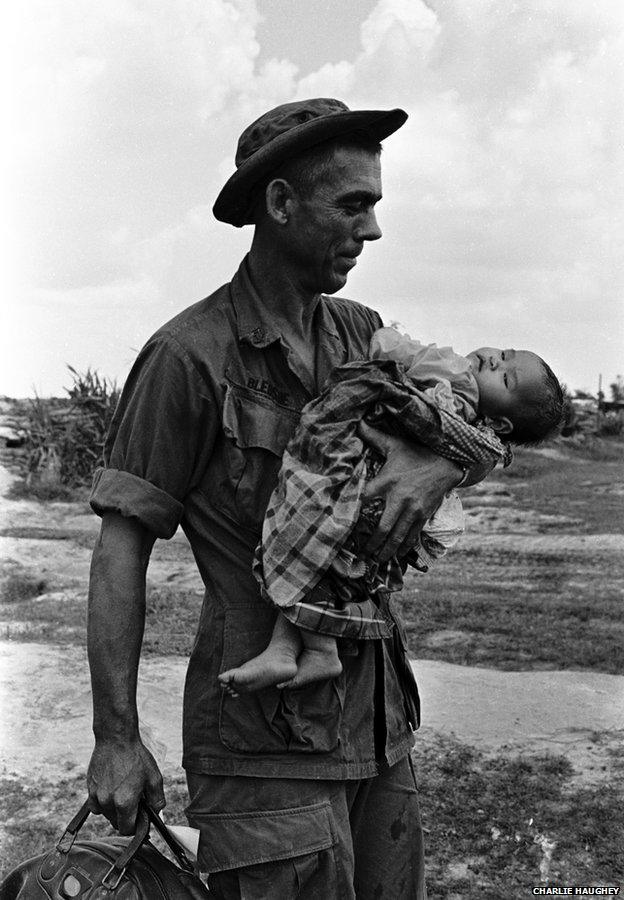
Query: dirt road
{"points": [[46, 710]]}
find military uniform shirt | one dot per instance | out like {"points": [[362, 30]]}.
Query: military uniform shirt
{"points": [[197, 441]]}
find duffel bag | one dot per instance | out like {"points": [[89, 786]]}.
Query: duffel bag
{"points": [[116, 867]]}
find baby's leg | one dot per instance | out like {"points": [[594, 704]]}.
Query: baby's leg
{"points": [[318, 660], [277, 663]]}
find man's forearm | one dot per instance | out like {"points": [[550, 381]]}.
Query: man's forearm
{"points": [[121, 770], [115, 625]]}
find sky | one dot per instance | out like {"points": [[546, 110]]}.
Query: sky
{"points": [[503, 207]]}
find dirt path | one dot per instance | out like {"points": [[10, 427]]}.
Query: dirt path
{"points": [[577, 714]]}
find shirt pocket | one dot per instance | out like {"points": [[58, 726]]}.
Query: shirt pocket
{"points": [[257, 431]]}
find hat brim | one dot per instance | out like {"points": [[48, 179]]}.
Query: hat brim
{"points": [[233, 203]]}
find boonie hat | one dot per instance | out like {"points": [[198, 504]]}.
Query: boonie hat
{"points": [[285, 132]]}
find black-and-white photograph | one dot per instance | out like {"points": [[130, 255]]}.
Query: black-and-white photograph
{"points": [[312, 450]]}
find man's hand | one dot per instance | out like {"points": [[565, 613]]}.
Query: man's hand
{"points": [[412, 482], [120, 774]]}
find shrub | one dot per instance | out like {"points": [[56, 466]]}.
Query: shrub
{"points": [[19, 586], [65, 437], [569, 419], [611, 425]]}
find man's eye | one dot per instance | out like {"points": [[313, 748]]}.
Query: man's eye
{"points": [[503, 355]]}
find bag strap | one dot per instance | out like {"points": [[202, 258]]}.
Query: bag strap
{"points": [[146, 817], [117, 869], [68, 837], [163, 831]]}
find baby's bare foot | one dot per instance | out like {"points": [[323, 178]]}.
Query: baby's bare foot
{"points": [[313, 665], [267, 669]]}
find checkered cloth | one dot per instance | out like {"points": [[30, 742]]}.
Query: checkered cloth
{"points": [[348, 600], [359, 620], [318, 498]]}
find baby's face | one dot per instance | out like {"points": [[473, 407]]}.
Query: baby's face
{"points": [[505, 378]]}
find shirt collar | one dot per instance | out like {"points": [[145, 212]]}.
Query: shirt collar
{"points": [[255, 324]]}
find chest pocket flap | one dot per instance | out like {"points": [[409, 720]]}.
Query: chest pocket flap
{"points": [[257, 431], [251, 419]]}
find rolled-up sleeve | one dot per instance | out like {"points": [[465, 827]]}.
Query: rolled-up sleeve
{"points": [[160, 440], [129, 495]]}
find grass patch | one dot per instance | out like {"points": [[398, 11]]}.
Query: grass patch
{"points": [[578, 486], [51, 620], [18, 586], [170, 626], [46, 492], [33, 533], [80, 537], [522, 611], [497, 826], [606, 448], [537, 609], [171, 622]]}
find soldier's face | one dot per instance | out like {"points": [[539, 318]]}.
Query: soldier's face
{"points": [[329, 228]]}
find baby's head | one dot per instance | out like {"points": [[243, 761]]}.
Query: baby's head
{"points": [[519, 395]]}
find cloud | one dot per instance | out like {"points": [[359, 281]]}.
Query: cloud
{"points": [[502, 193], [114, 124], [99, 326], [416, 24]]}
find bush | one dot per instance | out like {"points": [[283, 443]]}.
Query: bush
{"points": [[569, 419], [611, 425], [65, 437], [18, 586]]}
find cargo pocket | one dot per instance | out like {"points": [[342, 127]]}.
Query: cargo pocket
{"points": [[270, 721], [237, 839]]}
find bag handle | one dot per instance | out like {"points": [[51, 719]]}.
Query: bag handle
{"points": [[68, 837], [146, 817], [155, 820]]}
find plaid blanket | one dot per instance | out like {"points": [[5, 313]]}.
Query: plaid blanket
{"points": [[318, 498]]}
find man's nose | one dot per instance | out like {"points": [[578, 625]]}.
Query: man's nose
{"points": [[368, 229]]}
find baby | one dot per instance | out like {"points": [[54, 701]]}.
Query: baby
{"points": [[329, 587]]}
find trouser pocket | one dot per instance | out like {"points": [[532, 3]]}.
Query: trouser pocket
{"points": [[275, 853]]}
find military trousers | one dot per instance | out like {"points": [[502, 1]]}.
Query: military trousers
{"points": [[281, 839]]}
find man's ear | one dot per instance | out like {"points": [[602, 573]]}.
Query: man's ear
{"points": [[279, 198], [499, 424]]}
